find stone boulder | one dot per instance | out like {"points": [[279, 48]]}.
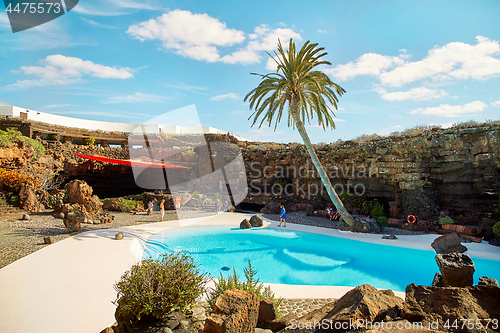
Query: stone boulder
{"points": [[28, 200], [273, 207], [366, 226], [364, 303], [431, 304], [448, 243], [112, 204], [245, 224], [267, 311], [280, 323], [256, 221], [235, 311], [367, 303], [486, 281], [457, 269], [77, 191]]}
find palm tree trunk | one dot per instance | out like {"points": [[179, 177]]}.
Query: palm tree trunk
{"points": [[324, 178]]}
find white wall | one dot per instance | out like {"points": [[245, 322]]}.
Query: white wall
{"points": [[14, 111]]}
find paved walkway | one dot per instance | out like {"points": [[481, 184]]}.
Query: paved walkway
{"points": [[68, 286]]}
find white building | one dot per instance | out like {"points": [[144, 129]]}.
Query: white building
{"points": [[17, 112]]}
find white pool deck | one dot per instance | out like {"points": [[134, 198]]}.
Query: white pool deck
{"points": [[68, 286]]}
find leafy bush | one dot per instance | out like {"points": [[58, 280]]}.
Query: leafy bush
{"points": [[383, 221], [5, 140], [38, 147], [154, 287], [446, 220], [496, 229], [377, 210], [232, 282], [13, 181], [128, 205], [55, 201]]}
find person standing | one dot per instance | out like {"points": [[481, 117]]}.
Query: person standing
{"points": [[282, 216], [162, 209], [178, 203]]}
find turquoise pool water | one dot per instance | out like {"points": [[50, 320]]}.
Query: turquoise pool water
{"points": [[293, 257]]}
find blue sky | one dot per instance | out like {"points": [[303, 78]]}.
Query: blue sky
{"points": [[402, 63]]}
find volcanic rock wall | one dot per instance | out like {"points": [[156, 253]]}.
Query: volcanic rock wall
{"points": [[455, 170]]}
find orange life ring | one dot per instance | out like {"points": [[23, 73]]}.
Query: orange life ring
{"points": [[411, 216]]}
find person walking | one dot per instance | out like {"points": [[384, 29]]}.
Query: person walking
{"points": [[162, 209], [282, 216]]}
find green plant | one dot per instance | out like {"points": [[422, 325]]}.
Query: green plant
{"points": [[55, 201], [496, 229], [377, 210], [252, 285], [446, 220], [91, 141], [282, 182], [128, 205], [39, 149], [383, 221], [154, 287], [5, 140], [14, 199]]}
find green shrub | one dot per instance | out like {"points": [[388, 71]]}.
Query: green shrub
{"points": [[383, 221], [377, 210], [55, 201], [14, 199], [496, 229], [252, 285], [154, 287], [128, 205], [38, 147], [446, 220], [5, 140]]}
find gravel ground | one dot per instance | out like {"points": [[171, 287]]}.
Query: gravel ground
{"points": [[19, 238], [316, 221]]}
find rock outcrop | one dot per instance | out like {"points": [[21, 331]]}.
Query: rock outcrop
{"points": [[456, 269], [448, 243], [445, 305], [245, 224], [256, 221], [235, 311]]}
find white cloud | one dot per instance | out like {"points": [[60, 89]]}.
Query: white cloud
{"points": [[321, 31], [91, 22], [84, 9], [455, 60], [137, 97], [368, 64], [59, 69], [416, 94], [397, 126], [495, 104], [271, 64], [4, 20], [224, 96], [191, 35], [448, 111], [200, 37]]}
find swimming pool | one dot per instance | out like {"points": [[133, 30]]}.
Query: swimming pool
{"points": [[301, 258]]}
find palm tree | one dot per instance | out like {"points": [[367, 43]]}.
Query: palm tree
{"points": [[300, 86]]}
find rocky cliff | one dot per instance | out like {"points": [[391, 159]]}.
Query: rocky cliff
{"points": [[455, 170]]}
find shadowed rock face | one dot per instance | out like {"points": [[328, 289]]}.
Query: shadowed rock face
{"points": [[433, 304]]}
